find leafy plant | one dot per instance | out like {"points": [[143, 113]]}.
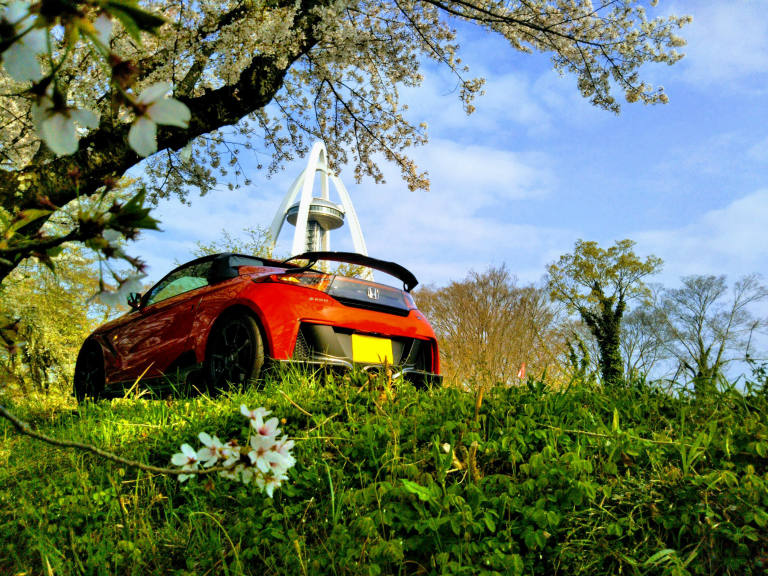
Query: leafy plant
{"points": [[399, 480]]}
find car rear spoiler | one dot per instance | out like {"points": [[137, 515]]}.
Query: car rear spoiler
{"points": [[403, 274]]}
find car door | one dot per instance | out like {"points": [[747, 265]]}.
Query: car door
{"points": [[160, 331]]}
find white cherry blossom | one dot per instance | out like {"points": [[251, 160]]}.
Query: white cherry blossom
{"points": [[57, 127], [263, 455], [113, 237], [283, 448], [187, 459], [268, 428], [269, 482], [252, 414], [213, 450], [270, 458], [21, 57], [118, 297], [103, 26], [247, 474], [111, 299], [155, 109], [188, 455]]}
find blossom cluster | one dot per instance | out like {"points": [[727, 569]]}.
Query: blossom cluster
{"points": [[59, 124], [265, 460]]}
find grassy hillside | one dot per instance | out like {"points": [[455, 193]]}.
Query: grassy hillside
{"points": [[402, 481]]}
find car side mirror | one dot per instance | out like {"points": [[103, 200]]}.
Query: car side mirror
{"points": [[134, 300]]}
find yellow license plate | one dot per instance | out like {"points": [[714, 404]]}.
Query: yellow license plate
{"points": [[369, 349]]}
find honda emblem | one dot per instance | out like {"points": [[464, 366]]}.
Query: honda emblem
{"points": [[373, 293]]}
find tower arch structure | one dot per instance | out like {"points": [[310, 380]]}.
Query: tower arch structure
{"points": [[314, 216]]}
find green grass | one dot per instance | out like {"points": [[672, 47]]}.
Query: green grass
{"points": [[581, 481]]}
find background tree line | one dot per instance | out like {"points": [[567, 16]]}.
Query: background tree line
{"points": [[598, 301]]}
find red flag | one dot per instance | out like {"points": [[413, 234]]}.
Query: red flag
{"points": [[521, 372]]}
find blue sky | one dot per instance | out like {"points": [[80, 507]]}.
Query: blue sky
{"points": [[536, 167]]}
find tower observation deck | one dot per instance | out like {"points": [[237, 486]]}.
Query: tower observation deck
{"points": [[323, 216], [315, 216]]}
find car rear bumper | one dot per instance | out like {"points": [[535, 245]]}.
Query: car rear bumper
{"points": [[336, 345]]}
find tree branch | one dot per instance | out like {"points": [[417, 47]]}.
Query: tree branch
{"points": [[24, 428], [105, 154]]}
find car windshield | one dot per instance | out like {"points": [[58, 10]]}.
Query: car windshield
{"points": [[180, 281]]}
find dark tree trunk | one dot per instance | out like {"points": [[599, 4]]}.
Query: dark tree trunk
{"points": [[606, 328]]}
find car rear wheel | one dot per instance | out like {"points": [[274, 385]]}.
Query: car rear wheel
{"points": [[235, 352], [89, 372]]}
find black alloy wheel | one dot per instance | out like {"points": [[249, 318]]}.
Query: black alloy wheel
{"points": [[235, 352], [89, 372]]}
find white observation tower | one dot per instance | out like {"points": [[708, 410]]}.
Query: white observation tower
{"points": [[315, 216]]}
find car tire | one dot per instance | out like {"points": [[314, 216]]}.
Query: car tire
{"points": [[89, 372], [234, 352]]}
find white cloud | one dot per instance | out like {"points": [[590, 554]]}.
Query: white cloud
{"points": [[732, 240], [488, 174], [469, 219], [727, 41], [182, 226], [523, 96], [509, 103]]}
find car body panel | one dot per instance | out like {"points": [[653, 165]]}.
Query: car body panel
{"points": [[151, 341]]}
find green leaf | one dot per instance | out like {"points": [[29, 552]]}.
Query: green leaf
{"points": [[142, 19], [55, 251], [489, 522], [128, 23], [456, 525], [615, 425], [23, 218], [517, 565], [662, 556], [134, 215], [423, 493], [760, 449], [529, 537]]}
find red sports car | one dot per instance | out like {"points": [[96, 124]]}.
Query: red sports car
{"points": [[217, 319]]}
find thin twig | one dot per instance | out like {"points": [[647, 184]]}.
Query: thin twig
{"points": [[296, 405], [25, 429], [320, 426], [599, 435]]}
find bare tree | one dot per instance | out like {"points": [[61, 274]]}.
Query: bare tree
{"points": [[643, 346], [707, 326], [488, 326]]}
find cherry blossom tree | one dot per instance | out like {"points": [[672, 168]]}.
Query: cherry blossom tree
{"points": [[91, 88]]}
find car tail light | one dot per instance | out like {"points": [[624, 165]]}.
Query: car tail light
{"points": [[435, 357], [409, 301], [306, 279]]}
